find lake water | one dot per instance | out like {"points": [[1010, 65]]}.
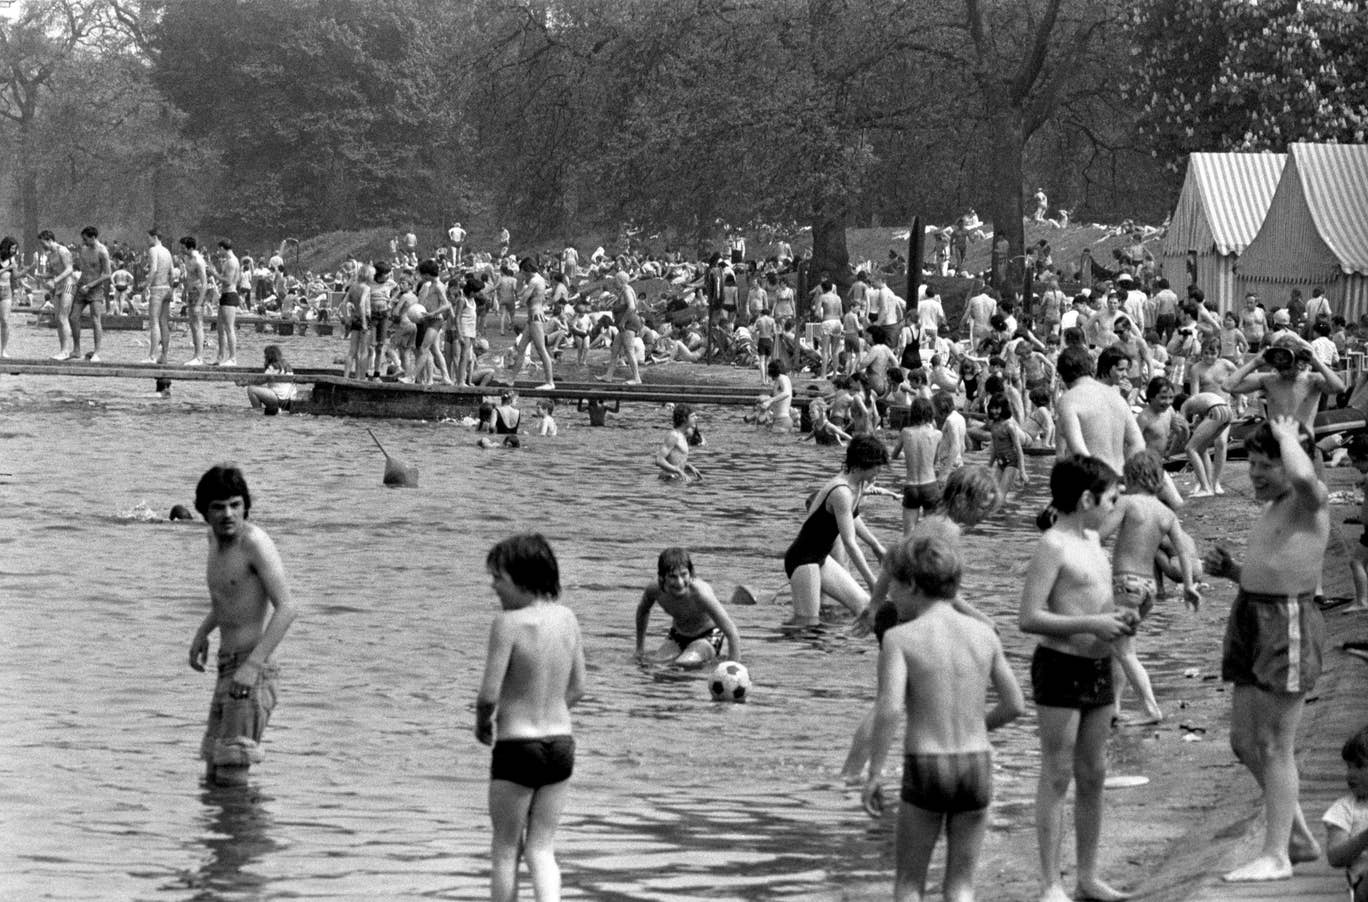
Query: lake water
{"points": [[374, 786]]}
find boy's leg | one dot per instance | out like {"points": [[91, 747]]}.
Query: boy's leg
{"points": [[547, 805], [963, 839], [699, 652], [1090, 772], [914, 841], [1126, 661], [1058, 728], [509, 804], [1267, 749]]}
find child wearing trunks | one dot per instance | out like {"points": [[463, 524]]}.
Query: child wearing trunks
{"points": [[533, 675], [918, 442], [1141, 522], [700, 623], [1005, 440], [1067, 601], [938, 666], [1275, 634]]}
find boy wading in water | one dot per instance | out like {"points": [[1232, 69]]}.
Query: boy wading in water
{"points": [[246, 581], [1067, 601], [700, 623], [938, 666], [1275, 634], [533, 674]]}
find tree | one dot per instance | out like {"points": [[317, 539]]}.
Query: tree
{"points": [[33, 49], [1244, 75]]}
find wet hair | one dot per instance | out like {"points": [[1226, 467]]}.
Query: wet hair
{"points": [[529, 563], [1069, 480], [8, 246], [429, 267], [1145, 471], [219, 483], [1110, 359], [1074, 363], [90, 232], [672, 558], [681, 415], [921, 412], [1355, 751], [998, 407], [1156, 387], [970, 494], [865, 452], [929, 560], [1039, 396], [180, 512], [1263, 441]]}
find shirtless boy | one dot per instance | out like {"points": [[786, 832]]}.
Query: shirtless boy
{"points": [[1067, 601], [700, 622], [937, 666], [1141, 522], [246, 587], [918, 442], [1092, 419], [533, 675], [673, 456], [1274, 637], [95, 268], [158, 292]]}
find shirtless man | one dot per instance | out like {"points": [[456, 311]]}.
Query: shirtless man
{"points": [[673, 456], [1253, 322], [1092, 419], [193, 285], [1274, 638], [1291, 390], [919, 442], [246, 584], [1067, 601], [95, 268], [158, 291], [700, 622], [60, 259], [229, 273], [456, 240]]}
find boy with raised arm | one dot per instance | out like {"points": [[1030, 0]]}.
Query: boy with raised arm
{"points": [[1275, 634], [673, 456], [938, 666], [534, 673], [700, 623], [246, 584], [1067, 601]]}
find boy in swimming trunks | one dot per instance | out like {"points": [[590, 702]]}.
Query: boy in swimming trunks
{"points": [[1141, 522], [938, 666], [700, 622], [533, 675], [1274, 637], [1068, 602], [246, 584], [918, 442], [673, 456]]}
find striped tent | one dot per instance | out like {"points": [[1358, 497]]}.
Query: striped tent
{"points": [[1316, 232], [1219, 211]]}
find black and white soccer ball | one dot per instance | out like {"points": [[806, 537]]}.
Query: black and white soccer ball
{"points": [[729, 682]]}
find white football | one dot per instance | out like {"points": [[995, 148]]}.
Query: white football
{"points": [[729, 682]]}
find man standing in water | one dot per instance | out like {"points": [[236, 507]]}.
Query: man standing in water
{"points": [[246, 584], [158, 290], [1093, 419]]}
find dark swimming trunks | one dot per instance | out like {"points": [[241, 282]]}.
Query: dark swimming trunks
{"points": [[714, 635], [230, 299], [1274, 642], [816, 536], [1060, 680], [533, 763], [948, 783], [925, 496]]}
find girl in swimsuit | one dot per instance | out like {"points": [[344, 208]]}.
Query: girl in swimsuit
{"points": [[835, 513]]}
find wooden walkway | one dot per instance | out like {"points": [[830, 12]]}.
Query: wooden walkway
{"points": [[397, 394]]}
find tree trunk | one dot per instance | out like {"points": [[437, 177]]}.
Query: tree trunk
{"points": [[1004, 206], [830, 254], [28, 187]]}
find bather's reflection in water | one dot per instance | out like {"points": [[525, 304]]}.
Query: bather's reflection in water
{"points": [[237, 833]]}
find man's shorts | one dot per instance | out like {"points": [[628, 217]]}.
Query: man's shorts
{"points": [[831, 328], [1274, 642], [533, 763], [90, 297], [715, 637], [764, 346], [1133, 592], [925, 496], [230, 299], [233, 735], [1061, 680], [158, 293], [948, 783]]}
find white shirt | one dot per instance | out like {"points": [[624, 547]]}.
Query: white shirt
{"points": [[1351, 816], [930, 314]]}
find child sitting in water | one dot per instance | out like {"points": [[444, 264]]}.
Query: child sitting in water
{"points": [[273, 396], [700, 623], [938, 667], [1346, 821], [1040, 425], [546, 408]]}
